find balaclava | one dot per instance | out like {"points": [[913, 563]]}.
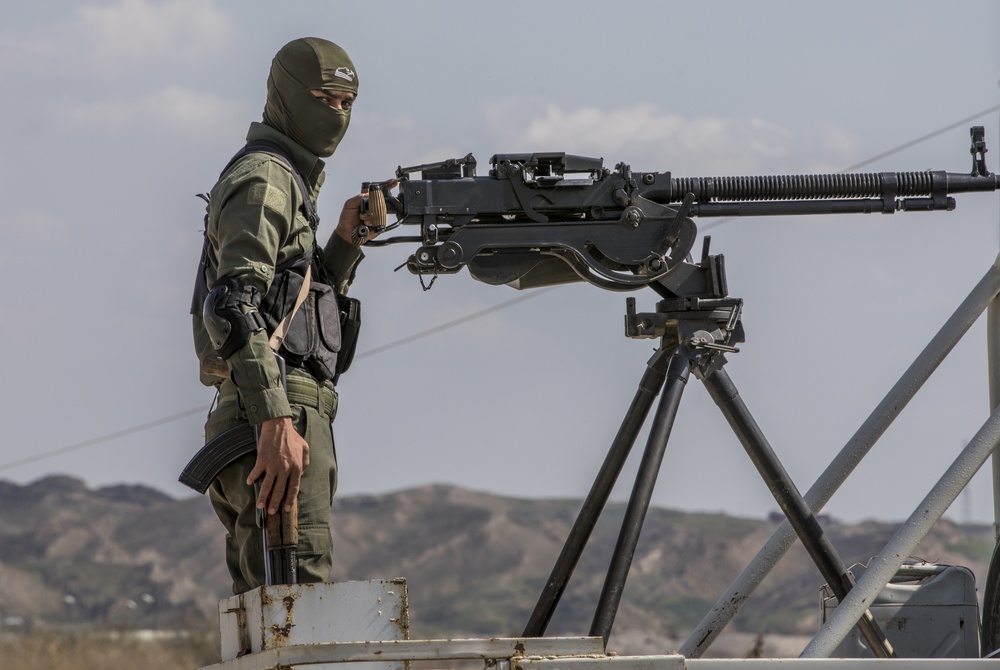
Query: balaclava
{"points": [[300, 66]]}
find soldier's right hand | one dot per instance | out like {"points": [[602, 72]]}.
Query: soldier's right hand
{"points": [[282, 457], [351, 220]]}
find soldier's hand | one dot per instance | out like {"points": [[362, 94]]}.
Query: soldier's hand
{"points": [[282, 457], [351, 219]]}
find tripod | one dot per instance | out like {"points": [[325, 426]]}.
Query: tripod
{"points": [[697, 325]]}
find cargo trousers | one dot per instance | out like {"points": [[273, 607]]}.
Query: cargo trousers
{"points": [[314, 406]]}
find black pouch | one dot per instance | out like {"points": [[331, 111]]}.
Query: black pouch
{"points": [[313, 338], [350, 327]]}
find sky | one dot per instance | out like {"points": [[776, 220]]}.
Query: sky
{"points": [[118, 112]]}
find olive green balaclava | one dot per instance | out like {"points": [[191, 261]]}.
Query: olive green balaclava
{"points": [[300, 66]]}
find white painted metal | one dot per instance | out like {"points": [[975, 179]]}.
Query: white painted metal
{"points": [[904, 542], [414, 650], [664, 662], [277, 616], [927, 611], [555, 654], [993, 361]]}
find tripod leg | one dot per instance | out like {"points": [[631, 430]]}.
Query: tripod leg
{"points": [[649, 388], [799, 516], [635, 513]]}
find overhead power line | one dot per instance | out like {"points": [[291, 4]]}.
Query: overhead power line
{"points": [[456, 322], [452, 324], [104, 438], [928, 136], [201, 410], [885, 154]]}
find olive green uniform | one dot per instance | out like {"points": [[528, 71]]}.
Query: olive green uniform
{"points": [[255, 223]]}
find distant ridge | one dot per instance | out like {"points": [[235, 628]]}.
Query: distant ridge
{"points": [[131, 556]]}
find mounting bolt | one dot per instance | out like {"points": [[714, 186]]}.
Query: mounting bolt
{"points": [[633, 217], [700, 340]]}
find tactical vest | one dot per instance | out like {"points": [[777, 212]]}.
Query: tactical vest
{"points": [[313, 341]]}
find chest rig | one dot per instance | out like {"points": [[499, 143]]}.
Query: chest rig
{"points": [[314, 337]]}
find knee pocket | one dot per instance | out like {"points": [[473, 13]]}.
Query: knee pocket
{"points": [[314, 540]]}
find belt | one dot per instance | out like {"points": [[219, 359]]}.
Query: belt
{"points": [[302, 390], [306, 391]]}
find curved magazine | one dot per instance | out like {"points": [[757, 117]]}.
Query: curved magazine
{"points": [[217, 454]]}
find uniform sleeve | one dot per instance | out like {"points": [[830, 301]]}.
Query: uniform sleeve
{"points": [[254, 222], [341, 260]]}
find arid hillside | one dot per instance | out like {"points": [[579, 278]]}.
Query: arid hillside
{"points": [[129, 557]]}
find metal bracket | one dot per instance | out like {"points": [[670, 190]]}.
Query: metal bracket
{"points": [[978, 151]]}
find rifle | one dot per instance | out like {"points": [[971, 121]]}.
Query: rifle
{"points": [[280, 532], [539, 219]]}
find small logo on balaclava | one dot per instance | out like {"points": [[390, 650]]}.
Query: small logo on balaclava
{"points": [[344, 73]]}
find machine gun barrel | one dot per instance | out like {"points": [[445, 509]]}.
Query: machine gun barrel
{"points": [[836, 193], [850, 185]]}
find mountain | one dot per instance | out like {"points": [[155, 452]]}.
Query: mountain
{"points": [[130, 556], [119, 555]]}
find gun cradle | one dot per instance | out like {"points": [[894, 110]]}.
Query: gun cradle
{"points": [[534, 220]]}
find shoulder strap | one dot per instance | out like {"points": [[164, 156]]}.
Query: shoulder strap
{"points": [[278, 336]]}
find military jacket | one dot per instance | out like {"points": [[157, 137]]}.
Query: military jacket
{"points": [[254, 224]]}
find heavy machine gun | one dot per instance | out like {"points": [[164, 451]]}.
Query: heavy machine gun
{"points": [[540, 219], [545, 218]]}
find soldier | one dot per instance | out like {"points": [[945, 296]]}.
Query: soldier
{"points": [[260, 251]]}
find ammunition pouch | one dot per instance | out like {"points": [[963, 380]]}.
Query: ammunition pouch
{"points": [[313, 340], [350, 328]]}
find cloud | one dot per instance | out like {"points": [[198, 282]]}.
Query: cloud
{"points": [[169, 110], [836, 149], [106, 41], [651, 139]]}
